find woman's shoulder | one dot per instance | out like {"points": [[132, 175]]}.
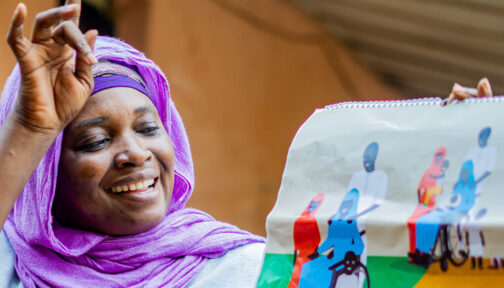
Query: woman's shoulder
{"points": [[8, 276], [239, 267]]}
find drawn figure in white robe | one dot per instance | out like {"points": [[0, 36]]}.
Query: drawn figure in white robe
{"points": [[475, 239], [483, 158], [372, 187]]}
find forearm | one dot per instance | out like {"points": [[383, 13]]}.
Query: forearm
{"points": [[20, 152]]}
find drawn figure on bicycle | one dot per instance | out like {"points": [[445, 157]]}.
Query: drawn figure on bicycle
{"points": [[462, 200], [431, 184], [341, 267]]}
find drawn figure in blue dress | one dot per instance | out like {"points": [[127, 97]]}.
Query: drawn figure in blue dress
{"points": [[342, 265], [461, 201]]}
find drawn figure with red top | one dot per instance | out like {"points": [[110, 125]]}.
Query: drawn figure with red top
{"points": [[430, 185], [306, 237]]}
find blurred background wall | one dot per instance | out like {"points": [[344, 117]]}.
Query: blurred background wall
{"points": [[245, 74]]}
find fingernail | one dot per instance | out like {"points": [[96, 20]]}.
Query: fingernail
{"points": [[16, 11], [487, 89]]}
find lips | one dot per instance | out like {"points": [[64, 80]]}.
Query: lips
{"points": [[139, 186], [146, 195]]}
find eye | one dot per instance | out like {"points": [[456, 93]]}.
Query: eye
{"points": [[94, 144], [149, 129]]}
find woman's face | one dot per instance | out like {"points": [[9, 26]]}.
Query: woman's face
{"points": [[116, 169]]}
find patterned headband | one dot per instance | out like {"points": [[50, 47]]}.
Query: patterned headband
{"points": [[108, 74]]}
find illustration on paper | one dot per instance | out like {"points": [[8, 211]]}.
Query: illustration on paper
{"points": [[340, 261], [451, 233], [306, 237]]}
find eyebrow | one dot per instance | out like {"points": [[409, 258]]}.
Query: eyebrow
{"points": [[142, 109], [98, 120], [91, 122]]}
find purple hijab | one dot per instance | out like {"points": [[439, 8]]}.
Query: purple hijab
{"points": [[169, 255]]}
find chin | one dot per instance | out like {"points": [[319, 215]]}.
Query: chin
{"points": [[130, 227]]}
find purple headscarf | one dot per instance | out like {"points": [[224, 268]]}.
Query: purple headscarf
{"points": [[169, 255]]}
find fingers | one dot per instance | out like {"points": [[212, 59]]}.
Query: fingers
{"points": [[83, 70], [17, 42], [45, 21], [460, 92], [68, 33], [76, 18], [484, 88]]}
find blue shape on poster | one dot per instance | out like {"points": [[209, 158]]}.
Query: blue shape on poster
{"points": [[462, 200], [343, 237]]}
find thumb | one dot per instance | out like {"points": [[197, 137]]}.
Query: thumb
{"points": [[484, 89]]}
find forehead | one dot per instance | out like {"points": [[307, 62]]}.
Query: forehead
{"points": [[115, 100], [120, 103]]}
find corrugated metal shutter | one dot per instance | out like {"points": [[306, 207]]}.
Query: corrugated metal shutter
{"points": [[420, 46]]}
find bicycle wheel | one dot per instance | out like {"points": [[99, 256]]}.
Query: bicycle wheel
{"points": [[444, 264], [437, 250], [356, 270], [364, 271], [458, 247]]}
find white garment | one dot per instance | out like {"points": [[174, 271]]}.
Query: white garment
{"points": [[483, 159], [475, 241], [372, 187], [239, 267]]}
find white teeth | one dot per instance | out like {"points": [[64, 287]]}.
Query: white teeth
{"points": [[133, 186]]}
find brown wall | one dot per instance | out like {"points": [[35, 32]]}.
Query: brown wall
{"points": [[7, 59], [243, 88], [244, 91]]}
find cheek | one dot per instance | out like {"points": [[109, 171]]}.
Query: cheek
{"points": [[163, 151], [84, 170]]}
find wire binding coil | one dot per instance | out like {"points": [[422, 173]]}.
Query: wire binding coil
{"points": [[431, 101]]}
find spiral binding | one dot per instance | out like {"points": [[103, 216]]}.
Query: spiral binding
{"points": [[431, 101]]}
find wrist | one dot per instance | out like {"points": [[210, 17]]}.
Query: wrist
{"points": [[24, 129], [21, 121]]}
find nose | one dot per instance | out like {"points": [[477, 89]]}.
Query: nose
{"points": [[132, 153]]}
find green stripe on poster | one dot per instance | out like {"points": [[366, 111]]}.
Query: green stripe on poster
{"points": [[384, 272], [393, 272], [276, 271]]}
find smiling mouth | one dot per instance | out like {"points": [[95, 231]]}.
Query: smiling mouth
{"points": [[137, 187]]}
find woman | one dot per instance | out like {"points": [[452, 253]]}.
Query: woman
{"points": [[428, 188], [105, 205], [78, 221]]}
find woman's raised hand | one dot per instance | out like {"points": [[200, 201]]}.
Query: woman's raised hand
{"points": [[55, 82], [460, 92]]}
